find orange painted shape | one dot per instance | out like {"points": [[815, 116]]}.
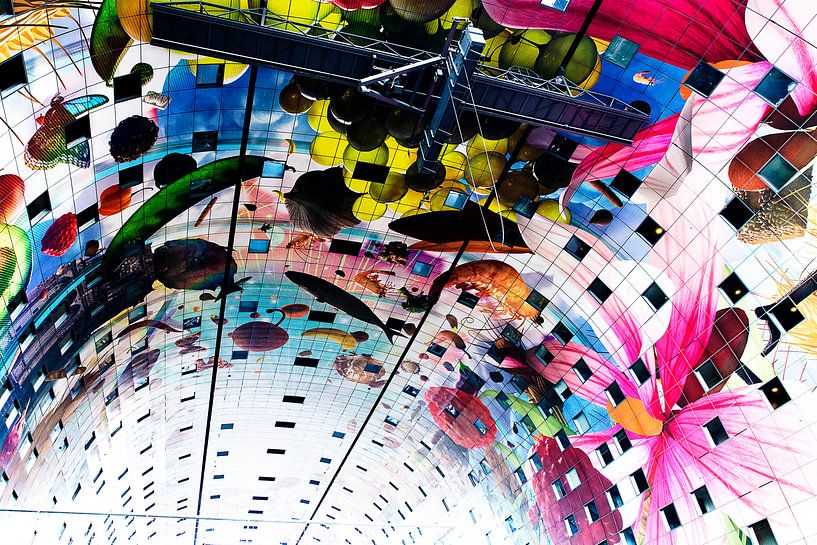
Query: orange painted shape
{"points": [[633, 416]]}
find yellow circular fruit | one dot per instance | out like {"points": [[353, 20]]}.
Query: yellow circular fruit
{"points": [[485, 169], [316, 116], [377, 156], [412, 200], [400, 158], [444, 198], [455, 163], [517, 185], [524, 49], [549, 208], [393, 189], [327, 148], [413, 212], [358, 186], [368, 209], [493, 46], [461, 9], [594, 76], [478, 145], [297, 11]]}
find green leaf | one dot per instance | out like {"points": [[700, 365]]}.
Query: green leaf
{"points": [[108, 41]]}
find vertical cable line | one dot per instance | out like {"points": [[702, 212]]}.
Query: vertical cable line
{"points": [[245, 134]]}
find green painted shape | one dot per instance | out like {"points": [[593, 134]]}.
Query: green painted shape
{"points": [[546, 426], [734, 535], [15, 269], [108, 41], [174, 199]]}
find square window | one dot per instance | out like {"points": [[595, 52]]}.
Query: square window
{"points": [[614, 496], [131, 176], [338, 435], [205, 141], [704, 500], [599, 290], [733, 288], [455, 200], [620, 51], [345, 247], [572, 477], [127, 87], [629, 536], [639, 481], [209, 75], [240, 355], [452, 411], [562, 390], [525, 207], [395, 324], [605, 454], [436, 349], [422, 269], [704, 78], [775, 87], [480, 427], [560, 5], [537, 300], [562, 333], [775, 393], [301, 361], [325, 460], [582, 370], [625, 183], [12, 70], [39, 207], [77, 131], [670, 516], [543, 354], [191, 323], [614, 394], [411, 390], [650, 231], [577, 247], [558, 489], [467, 299], [370, 172], [716, 432], [639, 371], [777, 172], [248, 306], [372, 368], [655, 296], [294, 399], [511, 334], [227, 426], [737, 213], [708, 375], [259, 246], [591, 511], [786, 314], [763, 533]]}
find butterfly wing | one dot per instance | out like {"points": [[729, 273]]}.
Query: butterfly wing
{"points": [[80, 105]]}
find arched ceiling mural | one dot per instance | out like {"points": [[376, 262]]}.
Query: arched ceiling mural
{"points": [[234, 311]]}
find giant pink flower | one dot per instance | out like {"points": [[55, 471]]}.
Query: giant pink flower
{"points": [[669, 442]]}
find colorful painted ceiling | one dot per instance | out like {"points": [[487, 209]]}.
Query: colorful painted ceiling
{"points": [[234, 310]]}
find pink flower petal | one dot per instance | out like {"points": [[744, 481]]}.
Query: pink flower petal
{"points": [[785, 32]]}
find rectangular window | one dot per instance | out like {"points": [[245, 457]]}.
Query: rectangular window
{"points": [[580, 422], [77, 132], [205, 141], [259, 246], [345, 247], [605, 454], [704, 500], [321, 316], [708, 375], [39, 207], [775, 87], [591, 511], [614, 496], [639, 371], [670, 516], [422, 269], [577, 248], [639, 481], [562, 390], [763, 533], [558, 488], [13, 70], [736, 213], [704, 78], [582, 370], [571, 525], [716, 432], [294, 399], [614, 394], [563, 439], [209, 75], [599, 290], [127, 87], [572, 477], [560, 5], [776, 395], [370, 172]]}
